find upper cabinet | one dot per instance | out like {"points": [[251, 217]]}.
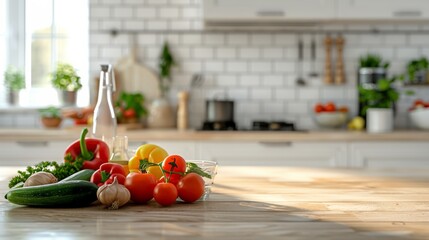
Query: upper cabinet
{"points": [[268, 10], [283, 12], [379, 10]]}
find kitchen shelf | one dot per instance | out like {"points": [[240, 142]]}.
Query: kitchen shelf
{"points": [[292, 30]]}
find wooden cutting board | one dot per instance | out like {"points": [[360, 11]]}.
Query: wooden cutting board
{"points": [[136, 77]]}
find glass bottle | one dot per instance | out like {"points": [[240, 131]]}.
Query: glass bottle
{"points": [[120, 152], [104, 120]]}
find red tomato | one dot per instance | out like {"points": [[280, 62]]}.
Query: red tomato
{"points": [[319, 108], [174, 163], [191, 187], [330, 107], [141, 186], [419, 102], [174, 178], [427, 105], [165, 194], [129, 113]]}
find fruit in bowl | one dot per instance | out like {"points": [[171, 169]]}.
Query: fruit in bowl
{"points": [[330, 115], [419, 114]]}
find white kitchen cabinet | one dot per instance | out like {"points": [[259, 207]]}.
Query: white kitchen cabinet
{"points": [[383, 9], [184, 148], [308, 154], [389, 155], [25, 153], [268, 10]]}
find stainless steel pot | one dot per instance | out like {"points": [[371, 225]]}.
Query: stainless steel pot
{"points": [[219, 110]]}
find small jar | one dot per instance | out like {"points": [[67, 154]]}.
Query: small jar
{"points": [[120, 152]]}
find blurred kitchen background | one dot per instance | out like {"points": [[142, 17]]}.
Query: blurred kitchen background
{"points": [[256, 64]]}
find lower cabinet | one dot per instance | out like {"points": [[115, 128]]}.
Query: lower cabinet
{"points": [[25, 153], [305, 154], [385, 155]]}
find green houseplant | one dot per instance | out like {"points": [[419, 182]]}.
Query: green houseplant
{"points": [[51, 117], [130, 107], [373, 61], [65, 79], [166, 62], [14, 80], [417, 71], [383, 95]]}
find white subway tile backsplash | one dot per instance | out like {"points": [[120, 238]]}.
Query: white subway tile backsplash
{"points": [[191, 39], [272, 107], [202, 53], [285, 93], [298, 108], [227, 80], [146, 12], [272, 80], [181, 25], [250, 80], [407, 52], [236, 66], [169, 13], [284, 66], [157, 25], [308, 93], [226, 53], [237, 39], [260, 67], [257, 69], [190, 12], [238, 93], [333, 93], [100, 12], [214, 39], [261, 39], [249, 53], [214, 66], [261, 93], [272, 53]]}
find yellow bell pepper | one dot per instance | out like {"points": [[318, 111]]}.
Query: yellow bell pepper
{"points": [[153, 154]]}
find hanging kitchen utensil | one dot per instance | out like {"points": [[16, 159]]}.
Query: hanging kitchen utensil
{"points": [[313, 49], [300, 81], [339, 67], [328, 66], [136, 77]]}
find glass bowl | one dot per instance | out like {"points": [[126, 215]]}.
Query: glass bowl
{"points": [[209, 167]]}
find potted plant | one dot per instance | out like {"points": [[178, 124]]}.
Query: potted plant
{"points": [[417, 71], [14, 81], [130, 107], [51, 117], [379, 104], [65, 79], [371, 68]]}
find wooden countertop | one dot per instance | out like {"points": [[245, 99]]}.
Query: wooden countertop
{"points": [[249, 203], [194, 135]]}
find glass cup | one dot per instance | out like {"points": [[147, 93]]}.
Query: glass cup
{"points": [[209, 167]]}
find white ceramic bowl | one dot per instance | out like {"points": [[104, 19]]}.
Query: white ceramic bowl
{"points": [[420, 118], [330, 119]]}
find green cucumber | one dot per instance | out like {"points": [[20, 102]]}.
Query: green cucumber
{"points": [[84, 174], [75, 193]]}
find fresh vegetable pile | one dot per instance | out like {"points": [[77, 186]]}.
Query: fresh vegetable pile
{"points": [[87, 176]]}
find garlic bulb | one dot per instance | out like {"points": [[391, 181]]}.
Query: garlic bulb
{"points": [[113, 195], [40, 178]]}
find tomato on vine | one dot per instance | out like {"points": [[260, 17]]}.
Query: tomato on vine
{"points": [[165, 194], [190, 187], [174, 164]]}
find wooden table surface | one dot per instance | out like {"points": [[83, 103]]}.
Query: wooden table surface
{"points": [[249, 203]]}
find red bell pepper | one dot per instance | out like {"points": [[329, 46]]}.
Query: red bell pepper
{"points": [[107, 173], [93, 152]]}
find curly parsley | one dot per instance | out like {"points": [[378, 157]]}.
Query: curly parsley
{"points": [[60, 171]]}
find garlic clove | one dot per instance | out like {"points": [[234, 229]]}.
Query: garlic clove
{"points": [[113, 195], [40, 178]]}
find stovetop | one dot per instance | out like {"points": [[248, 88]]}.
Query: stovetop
{"points": [[256, 126]]}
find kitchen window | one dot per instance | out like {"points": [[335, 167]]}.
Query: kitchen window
{"points": [[35, 35]]}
